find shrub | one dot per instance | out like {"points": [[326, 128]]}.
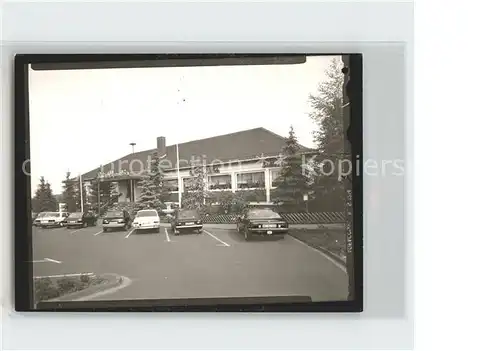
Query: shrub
{"points": [[45, 289], [84, 278]]}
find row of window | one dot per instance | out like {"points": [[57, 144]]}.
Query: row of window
{"points": [[254, 180]]}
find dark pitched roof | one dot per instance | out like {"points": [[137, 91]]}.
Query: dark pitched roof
{"points": [[242, 145]]}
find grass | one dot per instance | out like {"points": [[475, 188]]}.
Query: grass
{"points": [[47, 288], [326, 239]]}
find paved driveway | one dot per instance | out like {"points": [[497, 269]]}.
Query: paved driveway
{"points": [[217, 263]]}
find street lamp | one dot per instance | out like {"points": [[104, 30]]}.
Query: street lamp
{"points": [[133, 147]]}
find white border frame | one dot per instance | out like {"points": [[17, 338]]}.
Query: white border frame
{"points": [[383, 32]]}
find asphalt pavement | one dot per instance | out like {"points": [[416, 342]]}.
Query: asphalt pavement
{"points": [[216, 263]]}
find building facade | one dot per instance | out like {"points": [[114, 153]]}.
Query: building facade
{"points": [[246, 161]]}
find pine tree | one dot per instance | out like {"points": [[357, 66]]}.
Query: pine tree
{"points": [[155, 172], [292, 182], [44, 198], [69, 194], [329, 188], [149, 197]]}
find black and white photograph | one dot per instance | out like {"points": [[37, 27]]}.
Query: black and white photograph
{"points": [[192, 181]]}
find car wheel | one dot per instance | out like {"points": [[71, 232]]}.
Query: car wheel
{"points": [[157, 230], [104, 229]]}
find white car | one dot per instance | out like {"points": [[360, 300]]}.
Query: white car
{"points": [[53, 219], [147, 220]]}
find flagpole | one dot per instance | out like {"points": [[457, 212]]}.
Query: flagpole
{"points": [[81, 193], [178, 177]]}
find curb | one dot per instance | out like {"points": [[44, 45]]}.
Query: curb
{"points": [[114, 281], [336, 257]]}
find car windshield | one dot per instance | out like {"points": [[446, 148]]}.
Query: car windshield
{"points": [[263, 213], [148, 213], [42, 214], [114, 214], [75, 215], [188, 214], [52, 214]]}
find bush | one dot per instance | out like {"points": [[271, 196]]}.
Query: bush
{"points": [[84, 278], [67, 285], [45, 289]]}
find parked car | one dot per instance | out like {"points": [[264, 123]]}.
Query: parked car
{"points": [[187, 220], [81, 219], [53, 219], [261, 222], [116, 220], [38, 219], [34, 216], [147, 220]]}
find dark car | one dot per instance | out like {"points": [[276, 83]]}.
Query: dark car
{"points": [[116, 220], [80, 220], [187, 220], [261, 222]]}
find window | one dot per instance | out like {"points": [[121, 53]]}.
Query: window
{"points": [[275, 173], [172, 184], [251, 180], [263, 213], [219, 182], [147, 213]]}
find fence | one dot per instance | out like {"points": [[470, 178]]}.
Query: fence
{"points": [[291, 218]]}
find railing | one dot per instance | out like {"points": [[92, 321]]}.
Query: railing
{"points": [[291, 218]]}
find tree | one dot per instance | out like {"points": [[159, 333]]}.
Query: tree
{"points": [[155, 172], [149, 197], [105, 189], [292, 183], [44, 198], [230, 202], [195, 193], [333, 119], [328, 186], [69, 194]]}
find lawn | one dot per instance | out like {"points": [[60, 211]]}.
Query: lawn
{"points": [[328, 240], [47, 288]]}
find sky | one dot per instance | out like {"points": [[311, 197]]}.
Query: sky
{"points": [[80, 119]]}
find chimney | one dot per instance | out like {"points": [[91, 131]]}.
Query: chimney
{"points": [[161, 147]]}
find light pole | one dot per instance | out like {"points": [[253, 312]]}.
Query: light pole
{"points": [[133, 147]]}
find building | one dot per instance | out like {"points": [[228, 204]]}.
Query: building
{"points": [[246, 161]]}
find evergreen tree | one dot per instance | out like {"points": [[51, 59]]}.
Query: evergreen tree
{"points": [[329, 188], [149, 197], [292, 183], [155, 172], [44, 198], [69, 194]]}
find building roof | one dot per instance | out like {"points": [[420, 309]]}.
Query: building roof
{"points": [[242, 145]]}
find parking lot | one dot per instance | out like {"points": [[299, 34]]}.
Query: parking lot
{"points": [[216, 263]]}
